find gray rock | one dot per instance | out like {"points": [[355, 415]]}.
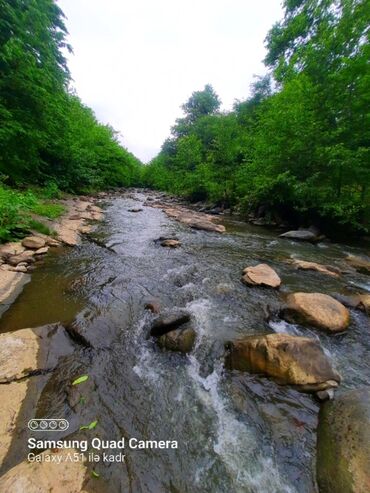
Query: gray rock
{"points": [[343, 443], [167, 322], [300, 235]]}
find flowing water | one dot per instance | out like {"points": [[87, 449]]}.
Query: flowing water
{"points": [[236, 432]]}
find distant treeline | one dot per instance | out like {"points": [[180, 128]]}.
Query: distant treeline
{"points": [[47, 136], [299, 145]]}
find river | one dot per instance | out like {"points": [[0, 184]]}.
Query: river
{"points": [[236, 432]]}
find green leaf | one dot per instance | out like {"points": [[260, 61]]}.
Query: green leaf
{"points": [[80, 379], [90, 426], [95, 474]]}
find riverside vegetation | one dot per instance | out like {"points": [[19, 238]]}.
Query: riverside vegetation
{"points": [[298, 148]]}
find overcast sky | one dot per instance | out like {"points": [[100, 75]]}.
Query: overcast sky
{"points": [[136, 61]]}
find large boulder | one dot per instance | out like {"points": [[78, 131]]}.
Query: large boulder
{"points": [[343, 443], [181, 340], [261, 275], [61, 475], [289, 360], [316, 309], [33, 242], [323, 269], [300, 235], [167, 322]]}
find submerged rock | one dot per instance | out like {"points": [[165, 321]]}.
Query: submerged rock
{"points": [[137, 209], [300, 235], [60, 475], [323, 269], [181, 340], [316, 309], [343, 443], [33, 242], [261, 275], [167, 322], [289, 360], [361, 264]]}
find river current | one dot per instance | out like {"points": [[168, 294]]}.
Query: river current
{"points": [[236, 432]]}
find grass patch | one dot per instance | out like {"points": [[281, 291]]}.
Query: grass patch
{"points": [[15, 213], [39, 227], [48, 209]]}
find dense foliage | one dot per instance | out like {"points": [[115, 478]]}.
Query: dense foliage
{"points": [[299, 145], [46, 134]]}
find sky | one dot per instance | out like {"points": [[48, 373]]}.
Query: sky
{"points": [[135, 62]]}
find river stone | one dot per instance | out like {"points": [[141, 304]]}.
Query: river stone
{"points": [[11, 397], [181, 340], [261, 275], [362, 264], [316, 309], [13, 248], [323, 269], [68, 476], [300, 235], [171, 243], [27, 351], [137, 209], [33, 242], [205, 225], [26, 256], [167, 322], [42, 251], [289, 360], [343, 443], [11, 285]]}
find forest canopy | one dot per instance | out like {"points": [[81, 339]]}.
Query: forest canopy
{"points": [[299, 145], [46, 134]]}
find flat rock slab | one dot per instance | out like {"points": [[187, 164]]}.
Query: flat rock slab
{"points": [[28, 351], [11, 397], [67, 476], [11, 285], [318, 310], [343, 443], [261, 275], [289, 360]]}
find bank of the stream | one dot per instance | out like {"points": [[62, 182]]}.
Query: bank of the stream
{"points": [[236, 431]]}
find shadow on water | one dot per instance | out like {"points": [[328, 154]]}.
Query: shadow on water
{"points": [[236, 432]]}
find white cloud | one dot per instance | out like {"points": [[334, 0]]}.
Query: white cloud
{"points": [[136, 62]]}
